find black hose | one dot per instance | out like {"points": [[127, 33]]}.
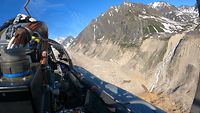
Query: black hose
{"points": [[57, 110], [38, 52]]}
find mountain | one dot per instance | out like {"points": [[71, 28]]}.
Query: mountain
{"points": [[60, 39], [187, 9], [183, 13], [130, 23], [65, 41], [150, 40], [163, 7]]}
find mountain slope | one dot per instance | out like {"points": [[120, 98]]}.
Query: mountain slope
{"points": [[139, 38], [179, 79], [127, 25]]}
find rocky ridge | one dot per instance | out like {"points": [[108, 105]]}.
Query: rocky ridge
{"points": [[66, 41]]}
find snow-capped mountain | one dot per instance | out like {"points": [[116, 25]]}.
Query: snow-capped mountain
{"points": [[183, 13], [164, 5], [187, 9], [157, 20], [65, 41], [161, 5], [60, 39]]}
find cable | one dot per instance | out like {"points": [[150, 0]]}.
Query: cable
{"points": [[10, 43], [57, 110]]}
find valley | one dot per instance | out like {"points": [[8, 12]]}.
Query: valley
{"points": [[112, 72], [151, 50]]}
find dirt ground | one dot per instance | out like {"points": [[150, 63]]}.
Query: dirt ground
{"points": [[161, 101], [110, 72]]}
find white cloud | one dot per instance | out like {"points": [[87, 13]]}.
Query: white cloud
{"points": [[44, 4], [38, 7], [77, 18]]}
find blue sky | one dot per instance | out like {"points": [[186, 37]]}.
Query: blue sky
{"points": [[67, 17]]}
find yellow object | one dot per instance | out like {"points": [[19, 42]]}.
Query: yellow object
{"points": [[37, 40], [33, 37]]}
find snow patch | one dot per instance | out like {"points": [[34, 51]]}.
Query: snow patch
{"points": [[108, 21], [144, 11], [73, 44], [155, 29], [179, 13], [144, 16], [94, 30], [168, 26], [102, 14], [166, 30], [117, 8], [127, 4], [101, 38], [67, 45], [71, 40], [110, 13]]}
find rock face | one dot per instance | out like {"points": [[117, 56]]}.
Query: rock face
{"points": [[141, 38], [179, 79]]}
